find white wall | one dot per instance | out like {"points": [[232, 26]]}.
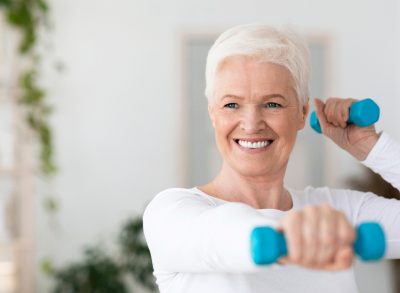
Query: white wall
{"points": [[119, 114]]}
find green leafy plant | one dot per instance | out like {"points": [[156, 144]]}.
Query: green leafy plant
{"points": [[28, 16], [97, 272], [100, 273], [136, 259]]}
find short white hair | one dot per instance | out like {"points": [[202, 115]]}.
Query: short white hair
{"points": [[278, 45]]}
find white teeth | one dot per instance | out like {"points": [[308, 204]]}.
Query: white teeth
{"points": [[253, 145]]}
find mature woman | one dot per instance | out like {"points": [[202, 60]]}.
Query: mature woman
{"points": [[257, 89]]}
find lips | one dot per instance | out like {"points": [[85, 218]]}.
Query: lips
{"points": [[254, 143]]}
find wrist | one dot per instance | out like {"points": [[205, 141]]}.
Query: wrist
{"points": [[362, 149]]}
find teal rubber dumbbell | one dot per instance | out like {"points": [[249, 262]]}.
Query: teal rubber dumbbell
{"points": [[268, 244], [362, 113]]}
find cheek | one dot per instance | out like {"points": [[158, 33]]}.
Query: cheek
{"points": [[285, 128], [223, 126]]}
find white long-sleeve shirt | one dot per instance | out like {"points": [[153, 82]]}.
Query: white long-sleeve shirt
{"points": [[201, 244]]}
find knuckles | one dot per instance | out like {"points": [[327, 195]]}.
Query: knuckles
{"points": [[336, 110], [320, 228]]}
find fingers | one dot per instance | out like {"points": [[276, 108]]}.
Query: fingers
{"points": [[344, 259], [327, 235], [292, 227], [318, 237], [335, 111], [346, 232], [319, 110], [345, 255], [310, 232], [333, 116]]}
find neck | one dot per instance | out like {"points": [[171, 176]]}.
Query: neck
{"points": [[261, 192]]}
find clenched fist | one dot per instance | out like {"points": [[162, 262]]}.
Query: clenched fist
{"points": [[318, 237], [332, 116]]}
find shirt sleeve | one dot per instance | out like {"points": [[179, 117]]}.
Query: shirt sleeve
{"points": [[384, 159], [186, 233], [387, 213]]}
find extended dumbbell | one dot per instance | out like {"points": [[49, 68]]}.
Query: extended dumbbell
{"points": [[362, 113], [268, 244]]}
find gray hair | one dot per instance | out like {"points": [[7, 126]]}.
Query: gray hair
{"points": [[280, 46]]}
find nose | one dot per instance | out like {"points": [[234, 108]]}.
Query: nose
{"points": [[252, 121]]}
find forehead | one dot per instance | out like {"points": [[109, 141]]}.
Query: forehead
{"points": [[243, 76]]}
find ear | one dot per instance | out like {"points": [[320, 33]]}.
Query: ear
{"points": [[211, 114], [303, 115]]}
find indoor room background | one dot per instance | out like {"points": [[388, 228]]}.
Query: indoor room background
{"points": [[130, 118]]}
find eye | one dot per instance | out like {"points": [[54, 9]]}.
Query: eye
{"points": [[273, 105], [231, 105]]}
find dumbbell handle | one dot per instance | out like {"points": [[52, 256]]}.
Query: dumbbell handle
{"points": [[268, 244], [362, 113]]}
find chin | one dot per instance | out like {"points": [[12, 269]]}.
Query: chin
{"points": [[252, 170]]}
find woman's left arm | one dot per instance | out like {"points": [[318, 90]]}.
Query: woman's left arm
{"points": [[384, 159], [380, 153]]}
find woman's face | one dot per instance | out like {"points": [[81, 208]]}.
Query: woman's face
{"points": [[256, 116]]}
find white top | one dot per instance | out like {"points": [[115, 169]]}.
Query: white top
{"points": [[201, 244]]}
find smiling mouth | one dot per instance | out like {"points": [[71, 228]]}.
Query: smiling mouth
{"points": [[253, 144]]}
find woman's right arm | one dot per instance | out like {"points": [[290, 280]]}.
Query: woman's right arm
{"points": [[186, 233]]}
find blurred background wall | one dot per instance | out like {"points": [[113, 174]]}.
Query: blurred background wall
{"points": [[120, 118]]}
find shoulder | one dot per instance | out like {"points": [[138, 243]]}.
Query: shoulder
{"points": [[174, 193], [346, 200], [325, 191], [173, 206], [172, 198], [311, 195], [179, 194], [334, 196]]}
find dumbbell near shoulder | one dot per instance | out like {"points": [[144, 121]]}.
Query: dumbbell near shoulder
{"points": [[362, 113]]}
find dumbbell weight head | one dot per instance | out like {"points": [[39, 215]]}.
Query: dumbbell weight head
{"points": [[362, 113], [268, 245]]}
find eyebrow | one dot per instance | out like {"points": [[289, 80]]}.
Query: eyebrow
{"points": [[263, 97]]}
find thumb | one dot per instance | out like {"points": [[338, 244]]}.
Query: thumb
{"points": [[343, 259], [319, 109]]}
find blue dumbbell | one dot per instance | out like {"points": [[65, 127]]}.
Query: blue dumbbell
{"points": [[362, 113], [268, 244]]}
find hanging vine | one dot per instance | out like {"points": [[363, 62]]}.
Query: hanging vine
{"points": [[28, 16], [96, 271]]}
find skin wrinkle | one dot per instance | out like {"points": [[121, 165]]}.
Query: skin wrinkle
{"points": [[248, 82], [256, 101]]}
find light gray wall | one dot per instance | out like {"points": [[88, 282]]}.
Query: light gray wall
{"points": [[120, 135], [306, 166]]}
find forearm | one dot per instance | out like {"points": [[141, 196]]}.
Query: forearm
{"points": [[361, 149], [384, 159]]}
